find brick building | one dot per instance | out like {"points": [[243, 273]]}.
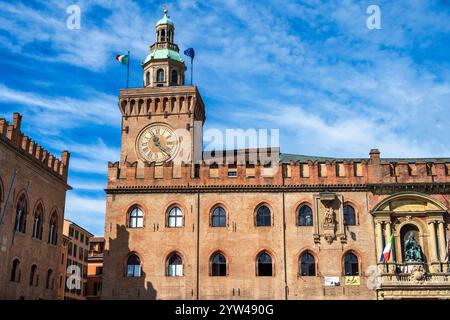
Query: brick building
{"points": [[63, 267], [33, 186], [95, 268], [77, 260], [281, 227]]}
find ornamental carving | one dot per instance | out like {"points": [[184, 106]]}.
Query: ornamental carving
{"points": [[328, 217], [418, 274]]}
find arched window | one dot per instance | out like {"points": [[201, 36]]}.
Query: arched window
{"points": [[218, 217], [307, 264], [133, 266], [351, 264], [53, 230], [15, 271], [174, 78], [33, 273], [21, 214], [49, 282], [175, 218], [160, 75], [37, 225], [174, 266], [147, 78], [263, 218], [218, 265], [349, 215], [163, 35], [264, 268], [305, 216], [136, 219]]}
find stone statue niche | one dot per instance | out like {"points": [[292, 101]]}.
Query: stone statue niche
{"points": [[413, 251], [328, 217]]}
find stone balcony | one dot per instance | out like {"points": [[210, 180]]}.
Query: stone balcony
{"points": [[414, 280]]}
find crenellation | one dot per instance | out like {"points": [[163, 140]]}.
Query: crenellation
{"points": [[113, 171], [51, 161], [168, 170], [25, 143], [403, 171], [439, 169], [131, 170], [45, 157], [17, 121], [358, 172], [10, 132], [421, 169], [17, 139], [3, 127], [38, 154], [56, 165], [32, 149]]}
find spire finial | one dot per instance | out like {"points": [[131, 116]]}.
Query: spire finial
{"points": [[165, 8]]}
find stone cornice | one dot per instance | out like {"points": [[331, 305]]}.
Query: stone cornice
{"points": [[374, 188], [234, 188], [426, 187]]}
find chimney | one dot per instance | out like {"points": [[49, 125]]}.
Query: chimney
{"points": [[374, 156]]}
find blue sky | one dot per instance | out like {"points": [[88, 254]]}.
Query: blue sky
{"points": [[310, 68]]}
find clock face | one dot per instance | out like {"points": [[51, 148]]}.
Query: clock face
{"points": [[157, 143]]}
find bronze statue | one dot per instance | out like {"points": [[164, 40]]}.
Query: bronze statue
{"points": [[413, 251]]}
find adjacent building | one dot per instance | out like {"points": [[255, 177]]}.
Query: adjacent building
{"points": [[33, 186], [261, 224], [95, 268], [77, 261]]}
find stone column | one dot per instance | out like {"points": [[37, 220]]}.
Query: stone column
{"points": [[442, 244], [432, 232], [379, 241]]}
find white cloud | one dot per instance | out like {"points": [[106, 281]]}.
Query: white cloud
{"points": [[59, 112], [88, 212]]}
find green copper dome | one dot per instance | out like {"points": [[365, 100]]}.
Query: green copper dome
{"points": [[163, 54], [165, 20]]}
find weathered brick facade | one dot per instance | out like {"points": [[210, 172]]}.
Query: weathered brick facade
{"points": [[27, 171], [388, 196]]}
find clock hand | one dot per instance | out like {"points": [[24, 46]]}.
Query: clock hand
{"points": [[164, 149], [155, 139]]}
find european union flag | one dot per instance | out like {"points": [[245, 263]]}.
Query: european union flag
{"points": [[190, 52]]}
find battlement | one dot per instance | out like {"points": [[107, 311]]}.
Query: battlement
{"points": [[13, 136], [286, 170]]}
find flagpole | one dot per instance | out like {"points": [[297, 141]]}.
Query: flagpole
{"points": [[192, 70], [128, 68]]}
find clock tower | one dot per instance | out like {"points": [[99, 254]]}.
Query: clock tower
{"points": [[162, 122]]}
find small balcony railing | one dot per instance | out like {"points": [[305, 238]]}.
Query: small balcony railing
{"points": [[164, 45], [415, 274]]}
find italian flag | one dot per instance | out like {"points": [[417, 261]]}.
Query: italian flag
{"points": [[387, 250], [122, 58]]}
